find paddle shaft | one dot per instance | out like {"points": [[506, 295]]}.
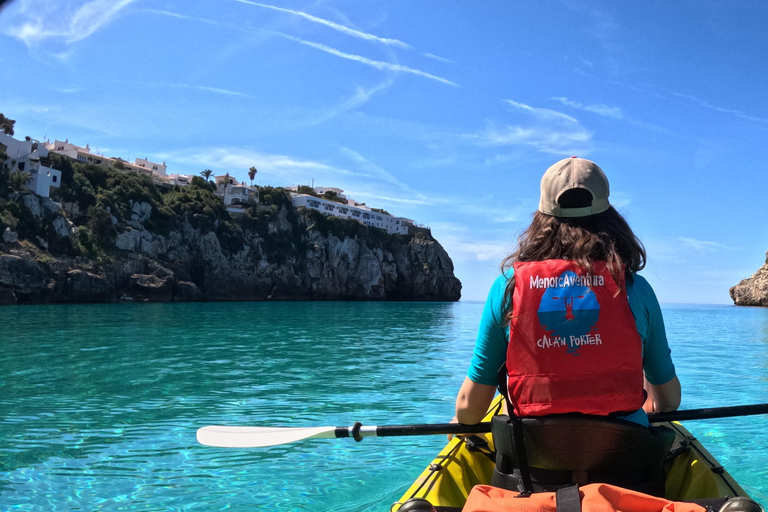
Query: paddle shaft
{"points": [[481, 428], [435, 428], [709, 413]]}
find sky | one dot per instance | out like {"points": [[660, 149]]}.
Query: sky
{"points": [[447, 113]]}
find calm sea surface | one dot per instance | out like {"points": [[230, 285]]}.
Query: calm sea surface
{"points": [[99, 404]]}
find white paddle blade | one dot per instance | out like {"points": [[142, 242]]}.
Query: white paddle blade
{"points": [[257, 437]]}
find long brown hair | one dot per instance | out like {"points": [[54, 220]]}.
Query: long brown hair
{"points": [[604, 236]]}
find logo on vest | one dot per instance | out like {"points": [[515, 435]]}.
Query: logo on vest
{"points": [[568, 310]]}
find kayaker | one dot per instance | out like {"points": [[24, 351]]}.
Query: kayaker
{"points": [[580, 300]]}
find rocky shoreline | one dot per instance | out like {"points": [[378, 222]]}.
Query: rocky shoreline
{"points": [[289, 255], [752, 291]]}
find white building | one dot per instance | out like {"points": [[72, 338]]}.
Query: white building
{"points": [[349, 210], [32, 157], [181, 180], [84, 155], [153, 166], [235, 195]]}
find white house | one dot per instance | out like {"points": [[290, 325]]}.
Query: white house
{"points": [[153, 166], [32, 157], [79, 153], [350, 210], [233, 193], [84, 155], [179, 179]]}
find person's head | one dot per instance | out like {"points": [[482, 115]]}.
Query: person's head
{"points": [[576, 222]]}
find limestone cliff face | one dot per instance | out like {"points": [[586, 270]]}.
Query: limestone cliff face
{"points": [[287, 257], [754, 290]]}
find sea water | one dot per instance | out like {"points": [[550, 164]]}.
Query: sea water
{"points": [[99, 404]]}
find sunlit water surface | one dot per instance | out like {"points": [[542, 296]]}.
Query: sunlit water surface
{"points": [[99, 404]]}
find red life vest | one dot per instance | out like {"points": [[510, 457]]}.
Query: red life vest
{"points": [[593, 498], [573, 342]]}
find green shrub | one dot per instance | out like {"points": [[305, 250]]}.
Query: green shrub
{"points": [[28, 225], [102, 231]]}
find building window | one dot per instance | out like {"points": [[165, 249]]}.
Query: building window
{"points": [[54, 178], [328, 207], [366, 216], [21, 166]]}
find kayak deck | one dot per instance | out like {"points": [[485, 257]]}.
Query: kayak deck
{"points": [[693, 473]]}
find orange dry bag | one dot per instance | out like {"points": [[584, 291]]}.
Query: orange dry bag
{"points": [[589, 498]]}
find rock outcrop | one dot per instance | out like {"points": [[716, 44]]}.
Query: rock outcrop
{"points": [[286, 257], [752, 291]]}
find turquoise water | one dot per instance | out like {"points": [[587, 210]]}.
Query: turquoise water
{"points": [[100, 403]]}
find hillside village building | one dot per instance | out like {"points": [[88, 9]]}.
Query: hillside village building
{"points": [[84, 155], [235, 195], [350, 209], [31, 156], [156, 168]]}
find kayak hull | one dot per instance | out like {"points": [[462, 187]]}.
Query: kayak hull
{"points": [[692, 474]]}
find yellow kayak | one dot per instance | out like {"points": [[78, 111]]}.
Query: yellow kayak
{"points": [[465, 462]]}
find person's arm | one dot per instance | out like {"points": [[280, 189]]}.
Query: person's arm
{"points": [[479, 387], [663, 397], [661, 382], [473, 401]]}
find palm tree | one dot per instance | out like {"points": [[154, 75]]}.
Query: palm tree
{"points": [[252, 174], [6, 125], [206, 174], [19, 179]]}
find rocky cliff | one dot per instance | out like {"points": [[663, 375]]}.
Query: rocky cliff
{"points": [[275, 253], [752, 291]]}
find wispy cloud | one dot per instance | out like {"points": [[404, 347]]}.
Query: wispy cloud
{"points": [[611, 112], [722, 110], [540, 112], [600, 109], [335, 26], [665, 95], [555, 140], [700, 245], [67, 90], [679, 249], [464, 244], [360, 97], [436, 57], [370, 169], [388, 66], [545, 130], [198, 19], [200, 88], [44, 20]]}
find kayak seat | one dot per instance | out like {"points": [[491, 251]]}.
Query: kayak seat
{"points": [[563, 450]]}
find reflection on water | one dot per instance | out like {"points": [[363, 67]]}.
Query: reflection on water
{"points": [[100, 403]]}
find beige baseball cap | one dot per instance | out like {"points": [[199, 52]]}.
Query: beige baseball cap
{"points": [[568, 174]]}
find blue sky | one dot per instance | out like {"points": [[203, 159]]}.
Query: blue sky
{"points": [[444, 112]]}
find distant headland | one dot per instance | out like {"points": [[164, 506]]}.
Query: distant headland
{"points": [[80, 227], [752, 291]]}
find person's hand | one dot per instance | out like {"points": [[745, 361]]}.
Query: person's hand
{"points": [[454, 420]]}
